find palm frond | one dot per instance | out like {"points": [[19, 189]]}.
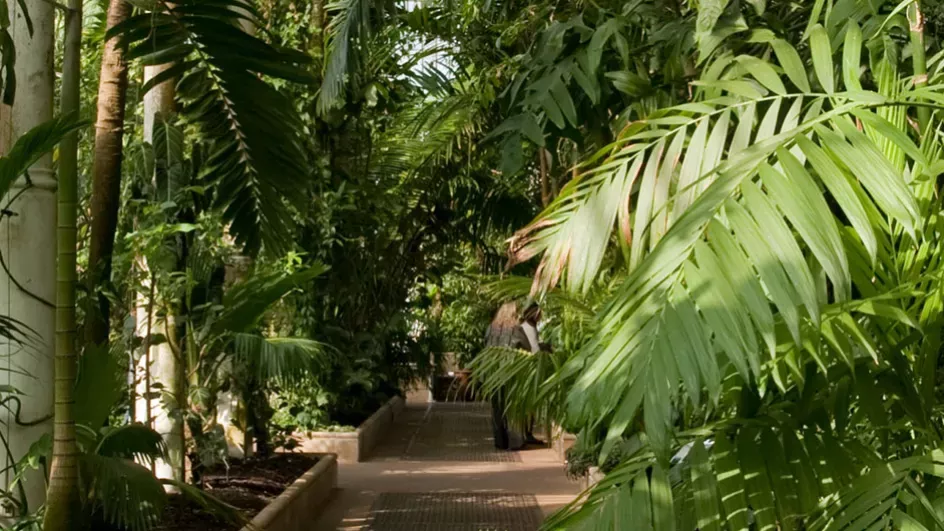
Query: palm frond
{"points": [[719, 201], [125, 493], [246, 302], [133, 441], [32, 146], [252, 131], [98, 387], [517, 287], [760, 479], [523, 380], [351, 26], [286, 359]]}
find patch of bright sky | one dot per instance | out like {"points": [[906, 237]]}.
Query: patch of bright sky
{"points": [[439, 62]]}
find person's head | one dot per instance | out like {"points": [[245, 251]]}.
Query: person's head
{"points": [[506, 316], [532, 314]]}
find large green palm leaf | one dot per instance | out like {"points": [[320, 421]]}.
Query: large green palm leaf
{"points": [[757, 479], [255, 157], [721, 214], [352, 24]]}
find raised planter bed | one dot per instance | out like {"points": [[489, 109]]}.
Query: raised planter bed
{"points": [[283, 493], [354, 446], [297, 506]]}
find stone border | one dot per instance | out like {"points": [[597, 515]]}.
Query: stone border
{"points": [[591, 478], [562, 441], [355, 446], [300, 503]]}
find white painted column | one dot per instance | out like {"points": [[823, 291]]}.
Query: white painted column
{"points": [[28, 244], [165, 366]]}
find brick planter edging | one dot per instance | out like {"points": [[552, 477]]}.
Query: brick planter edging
{"points": [[300, 503], [355, 446]]}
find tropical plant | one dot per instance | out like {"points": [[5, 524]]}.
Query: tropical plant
{"points": [[117, 487], [779, 287], [254, 159]]}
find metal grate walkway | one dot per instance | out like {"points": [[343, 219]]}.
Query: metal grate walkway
{"points": [[454, 512], [459, 431]]}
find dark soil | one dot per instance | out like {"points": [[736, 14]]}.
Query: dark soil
{"points": [[248, 485]]}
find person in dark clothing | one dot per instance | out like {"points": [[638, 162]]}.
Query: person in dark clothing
{"points": [[505, 331], [529, 327]]}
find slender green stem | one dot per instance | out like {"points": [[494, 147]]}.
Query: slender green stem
{"points": [[919, 61]]}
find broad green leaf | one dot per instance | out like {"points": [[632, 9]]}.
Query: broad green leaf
{"points": [[791, 63], [742, 135], [743, 279], [645, 202], [691, 170], [763, 73], [709, 11], [784, 247], [32, 146], [731, 484], [598, 42], [875, 172], [851, 59], [740, 317], [757, 483], [822, 58], [801, 200], [660, 203], [705, 487], [766, 265], [729, 335], [663, 507], [842, 191], [642, 505], [714, 149], [562, 98]]}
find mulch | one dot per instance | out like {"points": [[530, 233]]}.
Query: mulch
{"points": [[249, 485]]}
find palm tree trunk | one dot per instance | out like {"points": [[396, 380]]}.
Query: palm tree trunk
{"points": [[63, 506], [106, 174]]}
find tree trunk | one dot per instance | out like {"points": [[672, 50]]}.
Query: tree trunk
{"points": [[106, 175], [63, 506], [28, 247], [543, 157], [318, 20]]}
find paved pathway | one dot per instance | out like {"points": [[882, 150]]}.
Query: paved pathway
{"points": [[439, 471]]}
